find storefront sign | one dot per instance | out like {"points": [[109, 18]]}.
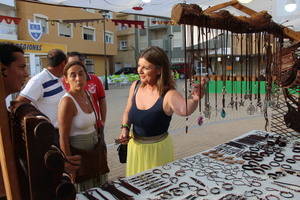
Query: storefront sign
{"points": [[36, 47]]}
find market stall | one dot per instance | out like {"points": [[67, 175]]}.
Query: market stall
{"points": [[256, 165]]}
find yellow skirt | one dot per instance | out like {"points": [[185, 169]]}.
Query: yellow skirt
{"points": [[141, 157]]}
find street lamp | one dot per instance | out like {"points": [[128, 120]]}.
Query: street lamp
{"points": [[170, 37], [105, 59]]}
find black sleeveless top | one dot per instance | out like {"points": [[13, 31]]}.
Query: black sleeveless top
{"points": [[150, 122]]}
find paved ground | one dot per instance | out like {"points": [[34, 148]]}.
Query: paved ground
{"points": [[214, 131]]}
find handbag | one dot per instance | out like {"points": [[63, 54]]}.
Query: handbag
{"points": [[94, 161], [122, 152], [291, 118]]}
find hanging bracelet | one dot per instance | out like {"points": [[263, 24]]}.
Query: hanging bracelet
{"points": [[125, 126]]}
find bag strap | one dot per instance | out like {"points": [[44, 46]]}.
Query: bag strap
{"points": [[92, 104]]}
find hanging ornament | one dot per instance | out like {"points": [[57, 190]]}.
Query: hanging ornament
{"points": [[200, 120], [251, 109], [223, 113]]}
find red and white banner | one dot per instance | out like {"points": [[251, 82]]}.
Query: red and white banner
{"points": [[9, 20]]}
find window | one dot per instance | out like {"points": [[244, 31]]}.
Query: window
{"points": [[89, 63], [123, 45], [65, 29], [122, 27], [176, 28], [143, 32], [43, 19], [88, 33], [109, 15], [109, 38]]}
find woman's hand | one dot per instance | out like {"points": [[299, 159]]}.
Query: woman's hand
{"points": [[124, 136], [199, 89], [72, 165]]}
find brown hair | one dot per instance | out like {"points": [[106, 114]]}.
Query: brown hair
{"points": [[71, 64], [160, 60]]}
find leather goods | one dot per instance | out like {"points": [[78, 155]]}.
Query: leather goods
{"points": [[122, 152], [291, 118], [94, 161]]}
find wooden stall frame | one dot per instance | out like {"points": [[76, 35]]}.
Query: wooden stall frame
{"points": [[234, 3], [7, 156]]}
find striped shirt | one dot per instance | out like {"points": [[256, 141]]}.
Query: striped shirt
{"points": [[45, 91]]}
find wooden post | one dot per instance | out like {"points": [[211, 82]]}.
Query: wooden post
{"points": [[7, 156]]}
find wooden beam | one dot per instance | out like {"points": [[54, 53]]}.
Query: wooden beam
{"points": [[220, 6], [234, 3], [244, 9], [7, 156], [292, 34]]}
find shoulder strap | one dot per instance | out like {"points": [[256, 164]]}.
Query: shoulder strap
{"points": [[92, 103], [136, 87]]}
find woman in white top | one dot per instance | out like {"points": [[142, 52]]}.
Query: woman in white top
{"points": [[77, 119]]}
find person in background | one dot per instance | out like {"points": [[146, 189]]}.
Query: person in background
{"points": [[150, 106], [14, 73], [77, 121], [95, 87], [45, 89]]}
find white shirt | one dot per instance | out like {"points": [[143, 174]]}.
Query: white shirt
{"points": [[45, 91], [82, 123]]}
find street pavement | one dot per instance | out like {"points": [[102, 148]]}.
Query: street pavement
{"points": [[212, 132]]}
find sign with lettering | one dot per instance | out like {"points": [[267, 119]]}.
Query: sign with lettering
{"points": [[36, 47], [35, 30]]}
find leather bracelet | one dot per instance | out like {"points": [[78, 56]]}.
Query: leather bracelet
{"points": [[258, 158], [264, 154], [215, 190], [173, 180], [296, 157], [180, 173], [227, 186], [255, 184], [253, 148], [296, 149], [253, 163], [183, 185], [165, 175], [278, 159], [247, 157], [247, 167], [258, 171], [202, 192], [286, 166], [279, 155], [272, 176], [193, 188], [177, 192], [157, 171], [265, 167], [289, 160], [274, 164]]}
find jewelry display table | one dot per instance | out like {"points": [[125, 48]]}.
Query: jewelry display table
{"points": [[255, 165]]}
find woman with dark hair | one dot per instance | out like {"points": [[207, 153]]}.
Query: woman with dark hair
{"points": [[77, 126], [149, 109]]}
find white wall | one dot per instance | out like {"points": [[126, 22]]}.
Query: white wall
{"points": [[8, 2]]}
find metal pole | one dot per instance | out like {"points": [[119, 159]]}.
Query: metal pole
{"points": [[105, 59]]}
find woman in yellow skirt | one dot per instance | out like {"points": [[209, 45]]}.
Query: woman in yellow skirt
{"points": [[152, 101]]}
